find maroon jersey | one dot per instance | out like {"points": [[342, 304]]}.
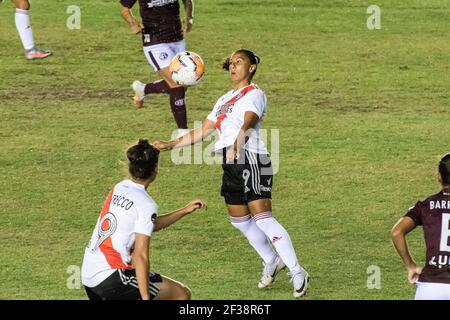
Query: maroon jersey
{"points": [[161, 20], [434, 215]]}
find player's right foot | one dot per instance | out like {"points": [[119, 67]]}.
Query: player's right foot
{"points": [[139, 94], [270, 271], [36, 54], [300, 282]]}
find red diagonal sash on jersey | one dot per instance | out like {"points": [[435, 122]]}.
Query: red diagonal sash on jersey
{"points": [[233, 101], [111, 255]]}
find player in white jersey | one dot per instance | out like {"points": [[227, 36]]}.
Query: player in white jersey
{"points": [[247, 177], [26, 34], [122, 236]]}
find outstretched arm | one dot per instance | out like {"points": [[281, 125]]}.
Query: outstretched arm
{"points": [[398, 235], [188, 139], [170, 218]]}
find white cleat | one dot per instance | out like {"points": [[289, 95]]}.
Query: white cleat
{"points": [[37, 54], [270, 271], [300, 282], [139, 94]]}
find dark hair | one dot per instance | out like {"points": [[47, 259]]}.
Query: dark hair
{"points": [[143, 159], [444, 169], [251, 56]]}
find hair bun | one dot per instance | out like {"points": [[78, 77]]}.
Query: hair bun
{"points": [[143, 159], [143, 142]]}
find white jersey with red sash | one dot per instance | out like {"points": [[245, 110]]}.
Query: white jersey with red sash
{"points": [[128, 210], [228, 115]]}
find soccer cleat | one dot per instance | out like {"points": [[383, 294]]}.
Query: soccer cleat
{"points": [[139, 94], [36, 54], [300, 282], [270, 271]]}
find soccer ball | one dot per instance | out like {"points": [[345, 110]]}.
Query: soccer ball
{"points": [[187, 68]]}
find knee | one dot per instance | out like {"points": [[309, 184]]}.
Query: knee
{"points": [[22, 4], [184, 293]]}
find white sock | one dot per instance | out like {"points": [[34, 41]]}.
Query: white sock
{"points": [[255, 236], [24, 28], [280, 239]]}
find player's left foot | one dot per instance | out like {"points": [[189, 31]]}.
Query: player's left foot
{"points": [[139, 94], [37, 54], [300, 282], [270, 271]]}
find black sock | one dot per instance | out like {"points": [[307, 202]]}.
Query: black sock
{"points": [[178, 106]]}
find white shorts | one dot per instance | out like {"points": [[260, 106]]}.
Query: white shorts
{"points": [[160, 55], [432, 291]]}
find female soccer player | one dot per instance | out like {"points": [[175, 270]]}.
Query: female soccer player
{"points": [[122, 234], [26, 34], [433, 282], [163, 38], [247, 169]]}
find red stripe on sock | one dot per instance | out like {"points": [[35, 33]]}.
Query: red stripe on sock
{"points": [[240, 219], [262, 215]]}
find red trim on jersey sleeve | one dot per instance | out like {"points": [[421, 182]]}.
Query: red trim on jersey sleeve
{"points": [[111, 255], [232, 101]]}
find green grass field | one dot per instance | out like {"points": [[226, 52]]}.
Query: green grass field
{"points": [[363, 117]]}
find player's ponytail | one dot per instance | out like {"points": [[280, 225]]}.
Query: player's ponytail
{"points": [[143, 159], [444, 170]]}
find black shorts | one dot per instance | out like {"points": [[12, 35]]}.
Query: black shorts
{"points": [[122, 285], [248, 179]]}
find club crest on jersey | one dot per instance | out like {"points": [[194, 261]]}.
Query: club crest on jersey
{"points": [[179, 102], [163, 56]]}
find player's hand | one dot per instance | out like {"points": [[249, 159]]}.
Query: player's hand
{"points": [[162, 145], [413, 273], [232, 154], [194, 205], [187, 24], [136, 28]]}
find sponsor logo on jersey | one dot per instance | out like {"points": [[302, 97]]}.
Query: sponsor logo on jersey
{"points": [[227, 107], [224, 109], [159, 3]]}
